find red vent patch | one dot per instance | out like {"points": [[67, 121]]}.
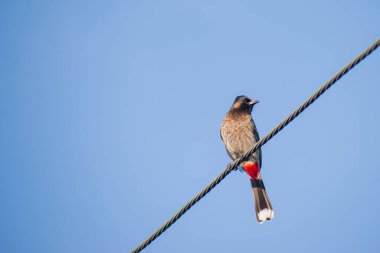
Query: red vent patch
{"points": [[252, 170]]}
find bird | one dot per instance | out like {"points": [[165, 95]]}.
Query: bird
{"points": [[238, 133]]}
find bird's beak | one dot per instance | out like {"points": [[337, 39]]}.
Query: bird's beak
{"points": [[253, 102]]}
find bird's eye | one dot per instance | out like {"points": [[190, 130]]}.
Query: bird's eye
{"points": [[246, 101]]}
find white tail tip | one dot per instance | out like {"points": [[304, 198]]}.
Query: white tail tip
{"points": [[265, 214]]}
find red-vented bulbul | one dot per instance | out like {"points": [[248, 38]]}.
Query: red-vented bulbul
{"points": [[239, 134]]}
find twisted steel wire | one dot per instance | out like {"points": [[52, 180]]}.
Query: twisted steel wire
{"points": [[233, 165]]}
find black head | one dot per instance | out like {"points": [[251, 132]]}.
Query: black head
{"points": [[243, 103]]}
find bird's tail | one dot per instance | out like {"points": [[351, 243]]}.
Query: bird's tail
{"points": [[264, 210]]}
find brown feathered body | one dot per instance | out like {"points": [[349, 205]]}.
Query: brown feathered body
{"points": [[239, 134]]}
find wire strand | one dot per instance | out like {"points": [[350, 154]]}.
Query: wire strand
{"points": [[233, 165]]}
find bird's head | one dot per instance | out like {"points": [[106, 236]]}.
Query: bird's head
{"points": [[243, 103]]}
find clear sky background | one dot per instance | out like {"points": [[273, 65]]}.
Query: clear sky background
{"points": [[110, 114]]}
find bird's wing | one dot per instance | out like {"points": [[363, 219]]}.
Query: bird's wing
{"points": [[257, 138]]}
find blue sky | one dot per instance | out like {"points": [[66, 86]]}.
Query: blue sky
{"points": [[110, 114]]}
